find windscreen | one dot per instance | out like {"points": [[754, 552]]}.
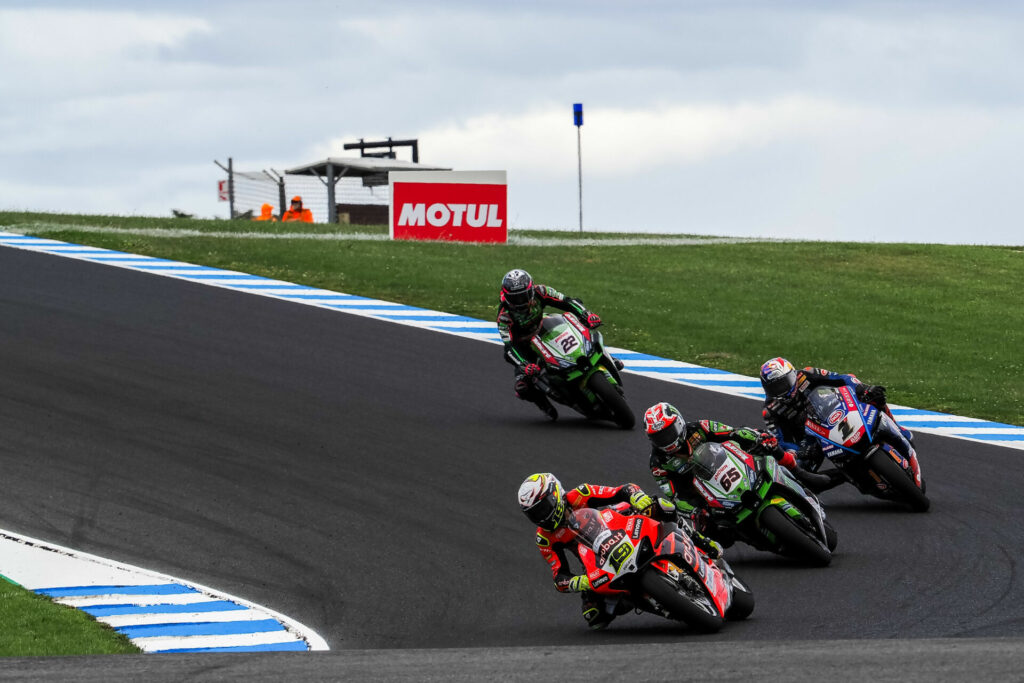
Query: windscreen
{"points": [[824, 401], [551, 322], [590, 525], [708, 458]]}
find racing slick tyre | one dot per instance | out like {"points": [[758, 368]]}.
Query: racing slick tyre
{"points": [[613, 401], [795, 542], [690, 605], [895, 476], [831, 537], [742, 601]]}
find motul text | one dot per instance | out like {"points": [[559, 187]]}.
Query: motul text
{"points": [[441, 215], [462, 206]]}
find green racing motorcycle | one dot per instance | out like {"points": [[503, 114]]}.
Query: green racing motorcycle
{"points": [[578, 371], [756, 500]]}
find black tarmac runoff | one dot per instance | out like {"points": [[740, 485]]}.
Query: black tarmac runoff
{"points": [[360, 476]]}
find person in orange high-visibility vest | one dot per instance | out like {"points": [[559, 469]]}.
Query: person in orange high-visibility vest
{"points": [[296, 213], [266, 214]]}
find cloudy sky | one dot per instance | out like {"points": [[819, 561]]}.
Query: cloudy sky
{"points": [[891, 121]]}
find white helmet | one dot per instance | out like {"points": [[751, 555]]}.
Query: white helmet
{"points": [[542, 500]]}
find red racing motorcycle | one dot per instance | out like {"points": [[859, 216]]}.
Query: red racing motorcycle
{"points": [[657, 569]]}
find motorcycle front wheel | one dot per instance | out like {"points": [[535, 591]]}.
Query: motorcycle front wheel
{"points": [[794, 540], [701, 615], [885, 467], [613, 401]]}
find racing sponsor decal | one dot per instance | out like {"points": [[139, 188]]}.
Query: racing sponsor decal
{"points": [[638, 529], [715, 427], [817, 429], [835, 417], [869, 414], [847, 398], [572, 320], [543, 541], [449, 205], [597, 583], [543, 351]]}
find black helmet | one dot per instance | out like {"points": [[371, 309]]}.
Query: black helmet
{"points": [[517, 290]]}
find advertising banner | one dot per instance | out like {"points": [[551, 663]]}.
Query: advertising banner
{"points": [[457, 206]]}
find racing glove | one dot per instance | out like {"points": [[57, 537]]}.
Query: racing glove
{"points": [[712, 548], [578, 584], [593, 320], [531, 371], [699, 519], [871, 393], [767, 443], [642, 503], [784, 408]]}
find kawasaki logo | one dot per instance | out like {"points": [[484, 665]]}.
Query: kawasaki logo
{"points": [[440, 215]]}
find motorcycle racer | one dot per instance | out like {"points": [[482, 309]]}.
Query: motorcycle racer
{"points": [[547, 505], [673, 441], [520, 313], [785, 405]]}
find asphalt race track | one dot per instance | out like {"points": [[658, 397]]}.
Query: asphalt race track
{"points": [[360, 477]]}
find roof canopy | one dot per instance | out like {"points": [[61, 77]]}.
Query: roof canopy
{"points": [[373, 171], [358, 167]]}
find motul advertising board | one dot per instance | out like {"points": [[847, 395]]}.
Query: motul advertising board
{"points": [[458, 206]]}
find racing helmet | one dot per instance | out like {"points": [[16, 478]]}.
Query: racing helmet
{"points": [[542, 500], [778, 377], [665, 427], [517, 290]]}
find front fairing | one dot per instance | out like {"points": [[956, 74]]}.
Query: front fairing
{"points": [[607, 553], [562, 342], [839, 422], [723, 472], [782, 477]]}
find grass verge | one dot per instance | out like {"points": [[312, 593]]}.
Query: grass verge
{"points": [[941, 326], [33, 625]]}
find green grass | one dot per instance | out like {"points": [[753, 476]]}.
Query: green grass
{"points": [[941, 326], [33, 625]]}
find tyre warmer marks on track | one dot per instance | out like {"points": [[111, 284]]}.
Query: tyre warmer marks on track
{"points": [[994, 433], [157, 612]]}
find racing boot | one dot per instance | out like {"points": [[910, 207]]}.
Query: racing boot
{"points": [[594, 612], [545, 406], [618, 363], [816, 482], [713, 549]]}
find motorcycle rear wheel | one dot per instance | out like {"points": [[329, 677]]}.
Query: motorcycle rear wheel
{"points": [[670, 595], [894, 475], [794, 540], [622, 414]]}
